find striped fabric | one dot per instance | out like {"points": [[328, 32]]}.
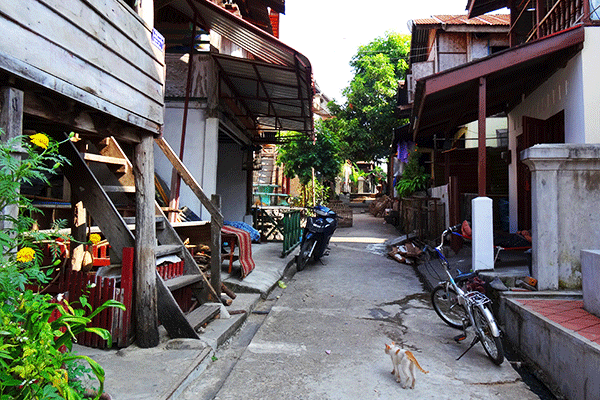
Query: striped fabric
{"points": [[245, 248]]}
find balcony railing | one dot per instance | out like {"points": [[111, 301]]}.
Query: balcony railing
{"points": [[563, 15]]}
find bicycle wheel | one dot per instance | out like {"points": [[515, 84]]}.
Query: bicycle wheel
{"points": [[445, 304], [491, 344], [305, 250]]}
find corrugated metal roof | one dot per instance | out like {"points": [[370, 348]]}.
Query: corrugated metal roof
{"points": [[275, 96], [275, 89], [497, 19], [422, 27], [258, 42]]}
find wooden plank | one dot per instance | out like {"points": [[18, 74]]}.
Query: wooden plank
{"points": [[86, 187], [104, 159], [203, 314], [118, 189], [79, 29], [83, 122], [127, 287], [96, 296], [182, 281], [146, 315], [215, 248], [170, 315], [11, 121], [113, 149], [61, 64], [168, 249], [125, 19], [190, 181]]}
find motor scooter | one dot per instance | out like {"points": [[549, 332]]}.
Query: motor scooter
{"points": [[316, 235]]}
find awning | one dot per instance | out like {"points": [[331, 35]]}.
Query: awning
{"points": [[258, 42], [271, 92], [274, 95], [448, 99]]}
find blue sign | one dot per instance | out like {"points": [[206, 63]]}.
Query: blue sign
{"points": [[158, 40]]}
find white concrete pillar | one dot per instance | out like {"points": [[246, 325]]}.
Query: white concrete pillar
{"points": [[211, 159], [361, 184], [482, 218]]}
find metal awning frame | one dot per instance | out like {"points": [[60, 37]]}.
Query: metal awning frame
{"points": [[266, 94], [270, 54]]}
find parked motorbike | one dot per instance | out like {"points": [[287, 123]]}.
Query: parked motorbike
{"points": [[316, 235]]}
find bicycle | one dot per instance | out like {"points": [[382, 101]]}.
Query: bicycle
{"points": [[460, 308]]}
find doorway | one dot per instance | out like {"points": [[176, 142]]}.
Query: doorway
{"points": [[535, 131]]}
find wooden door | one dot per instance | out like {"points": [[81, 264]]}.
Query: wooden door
{"points": [[535, 131]]}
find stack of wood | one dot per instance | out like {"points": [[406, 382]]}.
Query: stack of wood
{"points": [[202, 257], [378, 206], [406, 253]]}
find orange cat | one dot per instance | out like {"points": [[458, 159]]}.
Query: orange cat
{"points": [[404, 363]]}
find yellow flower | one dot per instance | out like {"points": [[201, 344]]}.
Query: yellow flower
{"points": [[26, 254], [95, 238], [41, 140]]}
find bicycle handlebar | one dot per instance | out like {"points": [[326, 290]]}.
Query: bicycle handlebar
{"points": [[447, 231]]}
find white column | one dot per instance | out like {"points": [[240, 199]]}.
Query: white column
{"points": [[483, 233], [211, 159]]}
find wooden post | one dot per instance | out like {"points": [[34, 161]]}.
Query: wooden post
{"points": [[146, 314], [250, 181], [482, 173], [79, 233], [11, 121], [215, 246]]}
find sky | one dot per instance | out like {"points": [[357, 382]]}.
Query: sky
{"points": [[329, 32]]}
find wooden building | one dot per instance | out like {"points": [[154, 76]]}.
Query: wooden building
{"points": [[98, 69]]}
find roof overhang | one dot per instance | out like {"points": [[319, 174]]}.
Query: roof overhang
{"points": [[480, 7], [450, 98], [259, 43], [274, 88], [275, 96]]}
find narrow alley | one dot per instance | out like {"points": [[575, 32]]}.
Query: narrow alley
{"points": [[323, 336]]}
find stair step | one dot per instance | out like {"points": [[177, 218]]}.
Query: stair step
{"points": [[182, 281], [104, 159], [160, 221], [167, 249], [119, 189], [202, 315]]}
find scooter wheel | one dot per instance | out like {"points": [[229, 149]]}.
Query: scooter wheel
{"points": [[302, 258]]}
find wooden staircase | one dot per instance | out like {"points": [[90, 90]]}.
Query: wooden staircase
{"points": [[108, 161]]}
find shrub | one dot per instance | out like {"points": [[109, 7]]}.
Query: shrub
{"points": [[36, 331]]}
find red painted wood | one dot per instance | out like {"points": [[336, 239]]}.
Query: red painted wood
{"points": [[127, 286]]}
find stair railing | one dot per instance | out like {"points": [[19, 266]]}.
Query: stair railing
{"points": [[212, 206]]}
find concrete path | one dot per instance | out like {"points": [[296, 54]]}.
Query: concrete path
{"points": [[164, 372], [324, 337]]}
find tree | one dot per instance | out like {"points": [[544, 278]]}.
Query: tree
{"points": [[368, 114], [299, 156]]}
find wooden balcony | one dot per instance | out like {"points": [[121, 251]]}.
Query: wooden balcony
{"points": [[563, 15]]}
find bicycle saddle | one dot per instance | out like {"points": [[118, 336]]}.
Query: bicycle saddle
{"points": [[464, 276]]}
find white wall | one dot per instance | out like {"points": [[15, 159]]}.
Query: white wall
{"points": [[573, 89], [492, 124], [200, 151], [231, 182], [591, 75]]}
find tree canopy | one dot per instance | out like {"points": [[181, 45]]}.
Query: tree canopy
{"points": [[367, 117], [299, 156]]}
